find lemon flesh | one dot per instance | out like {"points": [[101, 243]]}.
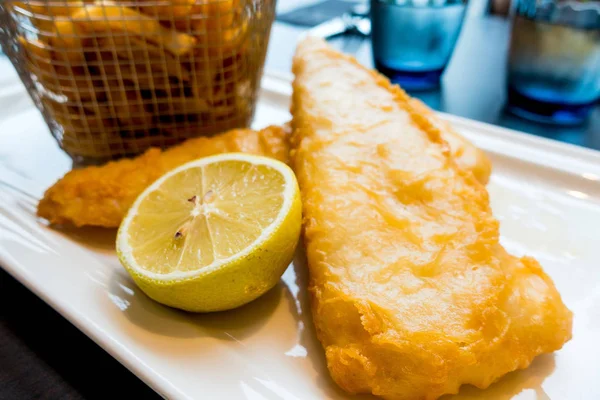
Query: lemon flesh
{"points": [[213, 234]]}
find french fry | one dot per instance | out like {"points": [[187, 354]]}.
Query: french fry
{"points": [[219, 25], [106, 17], [67, 43], [50, 8], [52, 79], [177, 9], [139, 51], [38, 54], [42, 13], [219, 13]]}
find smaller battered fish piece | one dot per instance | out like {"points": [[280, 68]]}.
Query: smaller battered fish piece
{"points": [[100, 196], [468, 156]]}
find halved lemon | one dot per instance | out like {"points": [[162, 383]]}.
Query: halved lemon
{"points": [[213, 234]]}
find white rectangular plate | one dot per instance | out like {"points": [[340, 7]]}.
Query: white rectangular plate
{"points": [[546, 195]]}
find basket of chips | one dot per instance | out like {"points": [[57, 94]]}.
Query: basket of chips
{"points": [[113, 78]]}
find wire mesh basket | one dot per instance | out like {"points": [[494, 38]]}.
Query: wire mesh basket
{"points": [[113, 78]]}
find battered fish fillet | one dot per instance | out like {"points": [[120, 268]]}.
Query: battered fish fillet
{"points": [[101, 196], [412, 294]]}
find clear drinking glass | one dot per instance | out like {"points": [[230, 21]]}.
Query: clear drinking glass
{"points": [[554, 63], [414, 39]]}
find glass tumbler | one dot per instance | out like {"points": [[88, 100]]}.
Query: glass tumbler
{"points": [[414, 39], [554, 62]]}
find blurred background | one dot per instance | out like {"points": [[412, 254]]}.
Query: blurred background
{"points": [[528, 65]]}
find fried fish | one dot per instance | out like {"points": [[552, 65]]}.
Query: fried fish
{"points": [[412, 293], [100, 196]]}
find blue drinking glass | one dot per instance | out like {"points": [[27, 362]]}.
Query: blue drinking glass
{"points": [[554, 62], [414, 39]]}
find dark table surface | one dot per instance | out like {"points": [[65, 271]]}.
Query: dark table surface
{"points": [[42, 356]]}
